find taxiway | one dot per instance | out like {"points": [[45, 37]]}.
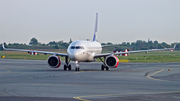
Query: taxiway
{"points": [[27, 80]]}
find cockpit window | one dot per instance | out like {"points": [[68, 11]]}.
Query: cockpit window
{"points": [[77, 47], [73, 47]]}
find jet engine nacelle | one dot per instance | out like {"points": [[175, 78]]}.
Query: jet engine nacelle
{"points": [[112, 61], [54, 61]]}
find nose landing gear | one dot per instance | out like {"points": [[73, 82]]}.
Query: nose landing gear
{"points": [[67, 66], [77, 66]]}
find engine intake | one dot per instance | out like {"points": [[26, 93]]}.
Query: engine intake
{"points": [[54, 61], [112, 61]]}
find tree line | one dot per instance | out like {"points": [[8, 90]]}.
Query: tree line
{"points": [[138, 45]]}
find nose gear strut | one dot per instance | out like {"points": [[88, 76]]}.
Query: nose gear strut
{"points": [[77, 66]]}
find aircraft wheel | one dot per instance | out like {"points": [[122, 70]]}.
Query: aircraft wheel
{"points": [[107, 68], [77, 69], [102, 67], [69, 67], [65, 67]]}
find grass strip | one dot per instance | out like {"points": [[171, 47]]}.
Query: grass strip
{"points": [[151, 57]]}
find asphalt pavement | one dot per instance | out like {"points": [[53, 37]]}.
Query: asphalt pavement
{"points": [[27, 80]]}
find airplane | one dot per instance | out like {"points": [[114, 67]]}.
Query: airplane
{"points": [[84, 51]]}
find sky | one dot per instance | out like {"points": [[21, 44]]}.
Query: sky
{"points": [[118, 20]]}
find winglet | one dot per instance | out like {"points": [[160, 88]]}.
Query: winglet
{"points": [[3, 43], [174, 45], [95, 29]]}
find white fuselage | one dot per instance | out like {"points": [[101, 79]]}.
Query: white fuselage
{"points": [[83, 51]]}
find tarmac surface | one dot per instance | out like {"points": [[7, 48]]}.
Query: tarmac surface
{"points": [[33, 80]]}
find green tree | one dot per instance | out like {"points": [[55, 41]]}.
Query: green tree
{"points": [[103, 43], [71, 41], [56, 47], [1, 47], [140, 44], [109, 43], [33, 41], [151, 47], [123, 43], [166, 45], [150, 42], [133, 44], [128, 43], [156, 42]]}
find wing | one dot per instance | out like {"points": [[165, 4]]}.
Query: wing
{"points": [[43, 52], [138, 51], [109, 45]]}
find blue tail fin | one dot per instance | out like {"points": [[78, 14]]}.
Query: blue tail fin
{"points": [[95, 30]]}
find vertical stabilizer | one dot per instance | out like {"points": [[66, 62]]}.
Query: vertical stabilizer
{"points": [[95, 29]]}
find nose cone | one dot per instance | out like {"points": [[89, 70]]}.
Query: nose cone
{"points": [[75, 55]]}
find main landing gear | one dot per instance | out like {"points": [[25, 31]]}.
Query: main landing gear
{"points": [[104, 66], [67, 66]]}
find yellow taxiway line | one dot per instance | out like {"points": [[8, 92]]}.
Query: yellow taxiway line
{"points": [[149, 76], [90, 96]]}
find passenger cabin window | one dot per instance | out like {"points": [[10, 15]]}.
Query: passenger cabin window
{"points": [[77, 47]]}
